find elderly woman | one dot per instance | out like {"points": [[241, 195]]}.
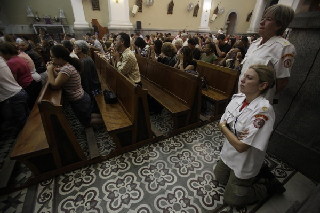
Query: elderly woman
{"points": [[63, 73], [247, 124], [272, 49], [89, 76], [168, 53]]}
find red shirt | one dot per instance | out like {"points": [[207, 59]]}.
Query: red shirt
{"points": [[20, 71]]}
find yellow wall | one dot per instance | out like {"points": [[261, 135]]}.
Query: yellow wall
{"points": [[15, 10], [156, 17], [101, 15], [242, 8]]}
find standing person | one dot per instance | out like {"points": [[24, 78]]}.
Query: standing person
{"points": [[125, 60], [247, 125], [271, 49]]}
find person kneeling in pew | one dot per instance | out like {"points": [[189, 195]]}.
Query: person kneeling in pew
{"points": [[63, 74]]}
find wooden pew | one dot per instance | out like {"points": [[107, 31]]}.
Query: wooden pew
{"points": [[47, 142], [221, 84], [127, 120], [177, 91]]}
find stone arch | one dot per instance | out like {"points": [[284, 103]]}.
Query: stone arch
{"points": [[231, 23]]}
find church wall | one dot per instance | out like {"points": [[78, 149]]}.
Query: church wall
{"points": [[101, 15], [155, 17], [14, 13]]}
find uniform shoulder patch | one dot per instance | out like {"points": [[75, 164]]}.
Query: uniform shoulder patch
{"points": [[260, 120]]}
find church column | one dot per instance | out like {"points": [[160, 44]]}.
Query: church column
{"points": [[257, 15], [119, 15], [204, 23], [79, 19]]}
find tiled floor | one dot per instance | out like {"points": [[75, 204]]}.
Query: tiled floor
{"points": [[176, 174], [297, 189]]}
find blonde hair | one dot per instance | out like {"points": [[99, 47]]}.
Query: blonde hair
{"points": [[266, 74], [282, 14]]}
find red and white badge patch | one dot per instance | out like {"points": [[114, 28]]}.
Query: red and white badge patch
{"points": [[259, 120]]}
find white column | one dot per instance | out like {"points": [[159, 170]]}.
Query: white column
{"points": [[204, 23], [79, 19], [119, 15], [257, 15]]}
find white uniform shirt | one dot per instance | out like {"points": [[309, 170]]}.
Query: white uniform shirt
{"points": [[277, 52], [257, 118], [8, 85]]}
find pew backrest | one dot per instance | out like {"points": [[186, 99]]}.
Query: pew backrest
{"points": [[218, 78]]}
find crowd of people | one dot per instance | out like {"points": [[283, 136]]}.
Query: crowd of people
{"points": [[263, 64]]}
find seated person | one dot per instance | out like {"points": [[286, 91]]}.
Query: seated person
{"points": [[21, 72], [67, 44], [125, 60], [222, 48], [63, 73], [247, 125], [208, 55], [141, 47], [30, 64], [13, 103], [168, 53], [178, 44], [192, 42], [185, 60], [89, 76], [234, 57], [26, 47]]}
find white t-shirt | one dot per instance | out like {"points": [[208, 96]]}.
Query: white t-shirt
{"points": [[8, 85], [257, 118], [277, 52]]}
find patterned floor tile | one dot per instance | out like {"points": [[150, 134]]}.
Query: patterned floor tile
{"points": [[173, 175]]}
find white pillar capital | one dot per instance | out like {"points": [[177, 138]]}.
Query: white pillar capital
{"points": [[79, 18], [204, 23], [119, 15], [256, 16]]}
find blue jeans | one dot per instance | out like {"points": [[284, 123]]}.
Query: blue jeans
{"points": [[82, 109], [14, 113]]}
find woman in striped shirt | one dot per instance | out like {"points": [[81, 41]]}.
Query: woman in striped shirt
{"points": [[63, 73]]}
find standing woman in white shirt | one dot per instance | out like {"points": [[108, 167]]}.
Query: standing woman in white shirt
{"points": [[271, 48], [247, 125]]}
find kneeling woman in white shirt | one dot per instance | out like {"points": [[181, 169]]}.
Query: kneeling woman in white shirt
{"points": [[247, 125]]}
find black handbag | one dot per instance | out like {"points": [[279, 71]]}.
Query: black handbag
{"points": [[110, 97]]}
